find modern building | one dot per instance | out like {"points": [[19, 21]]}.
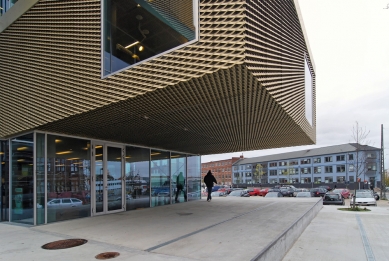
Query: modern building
{"points": [[112, 102], [346, 163], [221, 169]]}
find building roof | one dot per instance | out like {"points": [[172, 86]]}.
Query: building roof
{"points": [[349, 147]]}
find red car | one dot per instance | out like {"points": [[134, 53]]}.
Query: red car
{"points": [[342, 191], [263, 192], [254, 191]]}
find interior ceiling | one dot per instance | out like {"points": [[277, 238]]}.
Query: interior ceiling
{"points": [[128, 20], [240, 87]]}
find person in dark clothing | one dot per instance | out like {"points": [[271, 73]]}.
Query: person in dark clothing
{"points": [[180, 181], [209, 179]]}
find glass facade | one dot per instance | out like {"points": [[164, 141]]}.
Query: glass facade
{"points": [[178, 178], [160, 178], [68, 178], [137, 178], [51, 178], [4, 176], [40, 179], [194, 178], [136, 30], [22, 179]]}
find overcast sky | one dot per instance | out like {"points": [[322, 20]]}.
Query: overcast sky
{"points": [[349, 41]]}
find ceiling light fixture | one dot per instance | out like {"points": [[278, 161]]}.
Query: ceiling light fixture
{"points": [[130, 45], [64, 152], [141, 48]]}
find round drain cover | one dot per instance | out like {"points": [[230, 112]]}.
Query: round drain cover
{"points": [[107, 255], [62, 244]]}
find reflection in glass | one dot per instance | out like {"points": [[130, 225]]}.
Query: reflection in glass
{"points": [[40, 178], [137, 178], [194, 177], [68, 178], [160, 178], [22, 192], [135, 30], [4, 177], [114, 178], [99, 178], [178, 177]]}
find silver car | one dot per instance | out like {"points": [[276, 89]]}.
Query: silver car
{"points": [[64, 203], [364, 198]]}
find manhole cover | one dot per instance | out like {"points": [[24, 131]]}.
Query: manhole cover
{"points": [[62, 244], [107, 255], [184, 214]]}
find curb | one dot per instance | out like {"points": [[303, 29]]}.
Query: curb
{"points": [[277, 249]]}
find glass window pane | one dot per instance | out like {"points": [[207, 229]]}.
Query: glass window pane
{"points": [[178, 177], [114, 178], [135, 30], [194, 177], [22, 192], [160, 178], [137, 178], [68, 176], [4, 177], [40, 178]]}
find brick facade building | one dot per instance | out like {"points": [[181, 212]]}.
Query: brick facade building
{"points": [[221, 169]]}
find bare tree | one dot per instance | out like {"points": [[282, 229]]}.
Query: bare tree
{"points": [[359, 135], [258, 173]]}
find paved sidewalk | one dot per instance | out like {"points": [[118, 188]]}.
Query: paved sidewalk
{"points": [[342, 235], [224, 229]]}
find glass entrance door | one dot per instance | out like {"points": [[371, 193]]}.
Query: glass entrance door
{"points": [[108, 178]]}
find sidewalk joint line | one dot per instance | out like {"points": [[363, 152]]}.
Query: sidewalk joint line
{"points": [[365, 240]]}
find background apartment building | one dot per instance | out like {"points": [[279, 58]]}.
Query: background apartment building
{"points": [[347, 164]]}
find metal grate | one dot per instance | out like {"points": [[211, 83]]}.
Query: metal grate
{"points": [[107, 255]]}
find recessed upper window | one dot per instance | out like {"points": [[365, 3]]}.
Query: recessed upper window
{"points": [[136, 30]]}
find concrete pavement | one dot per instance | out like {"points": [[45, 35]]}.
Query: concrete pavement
{"points": [[343, 235], [225, 229]]}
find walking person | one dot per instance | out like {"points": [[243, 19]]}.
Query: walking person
{"points": [[209, 179]]}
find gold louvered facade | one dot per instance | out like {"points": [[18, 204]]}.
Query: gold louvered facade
{"points": [[239, 87]]}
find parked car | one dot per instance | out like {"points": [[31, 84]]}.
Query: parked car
{"points": [[299, 190], [304, 194], [254, 191], [342, 191], [64, 203], [364, 198], [328, 188], [318, 192], [263, 192], [288, 186], [331, 198], [218, 194], [274, 190], [128, 197], [273, 195], [287, 192], [239, 193]]}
